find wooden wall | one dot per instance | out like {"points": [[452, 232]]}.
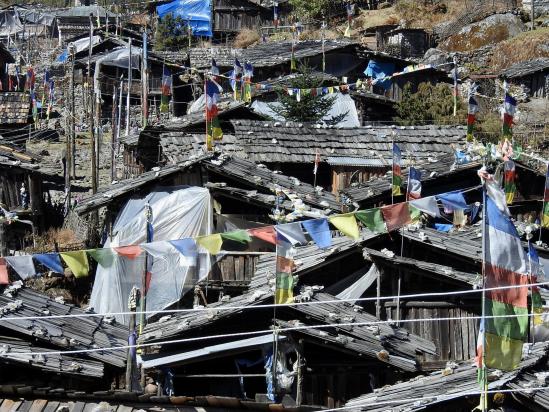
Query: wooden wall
{"points": [[131, 166], [342, 177], [235, 267], [538, 84], [235, 15], [455, 339]]}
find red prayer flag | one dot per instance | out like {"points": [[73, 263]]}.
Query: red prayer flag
{"points": [[396, 215], [131, 252], [4, 279], [267, 234]]}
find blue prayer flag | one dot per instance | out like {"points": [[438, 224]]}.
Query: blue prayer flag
{"points": [[51, 261], [319, 230]]}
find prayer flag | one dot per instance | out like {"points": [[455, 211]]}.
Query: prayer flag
{"points": [[509, 109], [284, 288], [291, 232], [214, 70], [29, 83], [472, 111], [130, 252], [214, 127], [166, 90], [187, 247], [346, 224], [397, 170], [267, 234], [350, 7], [104, 257], [22, 265], [319, 230], [51, 261], [372, 219], [317, 162], [427, 205], [396, 216], [212, 243], [237, 74], [415, 213], [4, 278], [77, 262], [505, 266], [240, 236], [545, 217], [452, 200], [535, 269], [247, 85], [509, 181], [276, 20], [414, 183]]}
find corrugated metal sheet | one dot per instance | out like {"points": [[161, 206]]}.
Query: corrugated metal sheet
{"points": [[356, 161]]}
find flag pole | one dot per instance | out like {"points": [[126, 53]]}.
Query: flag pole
{"points": [[484, 383], [455, 85], [531, 281], [206, 111], [401, 254], [543, 203]]}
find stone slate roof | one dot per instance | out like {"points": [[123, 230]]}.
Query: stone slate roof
{"points": [[14, 108], [243, 171], [526, 68], [360, 339], [264, 54], [76, 333], [16, 351], [431, 170], [422, 392], [285, 142]]}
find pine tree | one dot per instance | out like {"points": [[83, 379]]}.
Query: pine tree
{"points": [[311, 107]]}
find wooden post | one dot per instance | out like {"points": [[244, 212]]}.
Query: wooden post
{"points": [[72, 164], [129, 89], [145, 81], [532, 15], [300, 378], [378, 295], [113, 130], [91, 113], [129, 362]]}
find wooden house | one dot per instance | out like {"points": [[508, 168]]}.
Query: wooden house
{"points": [[15, 115], [24, 185], [348, 155], [532, 75], [77, 20]]}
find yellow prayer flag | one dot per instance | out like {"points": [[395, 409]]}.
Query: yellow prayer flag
{"points": [[212, 243], [77, 262], [346, 224]]}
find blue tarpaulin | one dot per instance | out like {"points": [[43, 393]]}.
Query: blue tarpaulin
{"points": [[378, 70], [197, 13]]}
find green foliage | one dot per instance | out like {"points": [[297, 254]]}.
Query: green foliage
{"points": [[309, 108], [171, 33], [430, 104], [309, 9]]}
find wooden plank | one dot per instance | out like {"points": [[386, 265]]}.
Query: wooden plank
{"points": [[15, 406], [51, 406], [78, 407], [38, 405], [6, 405]]}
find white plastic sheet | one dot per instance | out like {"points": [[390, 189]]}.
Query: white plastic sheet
{"points": [[177, 213], [343, 104]]}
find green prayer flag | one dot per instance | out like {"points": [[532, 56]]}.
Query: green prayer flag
{"points": [[372, 219], [240, 236], [77, 262], [415, 213], [104, 257]]}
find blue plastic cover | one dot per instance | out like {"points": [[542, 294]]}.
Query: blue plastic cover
{"points": [[379, 70], [198, 14]]}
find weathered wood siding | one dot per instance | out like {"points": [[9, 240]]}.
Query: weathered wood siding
{"points": [[455, 339]]}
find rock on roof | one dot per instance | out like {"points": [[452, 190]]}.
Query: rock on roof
{"points": [[85, 332], [264, 54], [287, 142], [14, 108], [245, 172], [526, 68], [457, 382], [431, 169]]}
